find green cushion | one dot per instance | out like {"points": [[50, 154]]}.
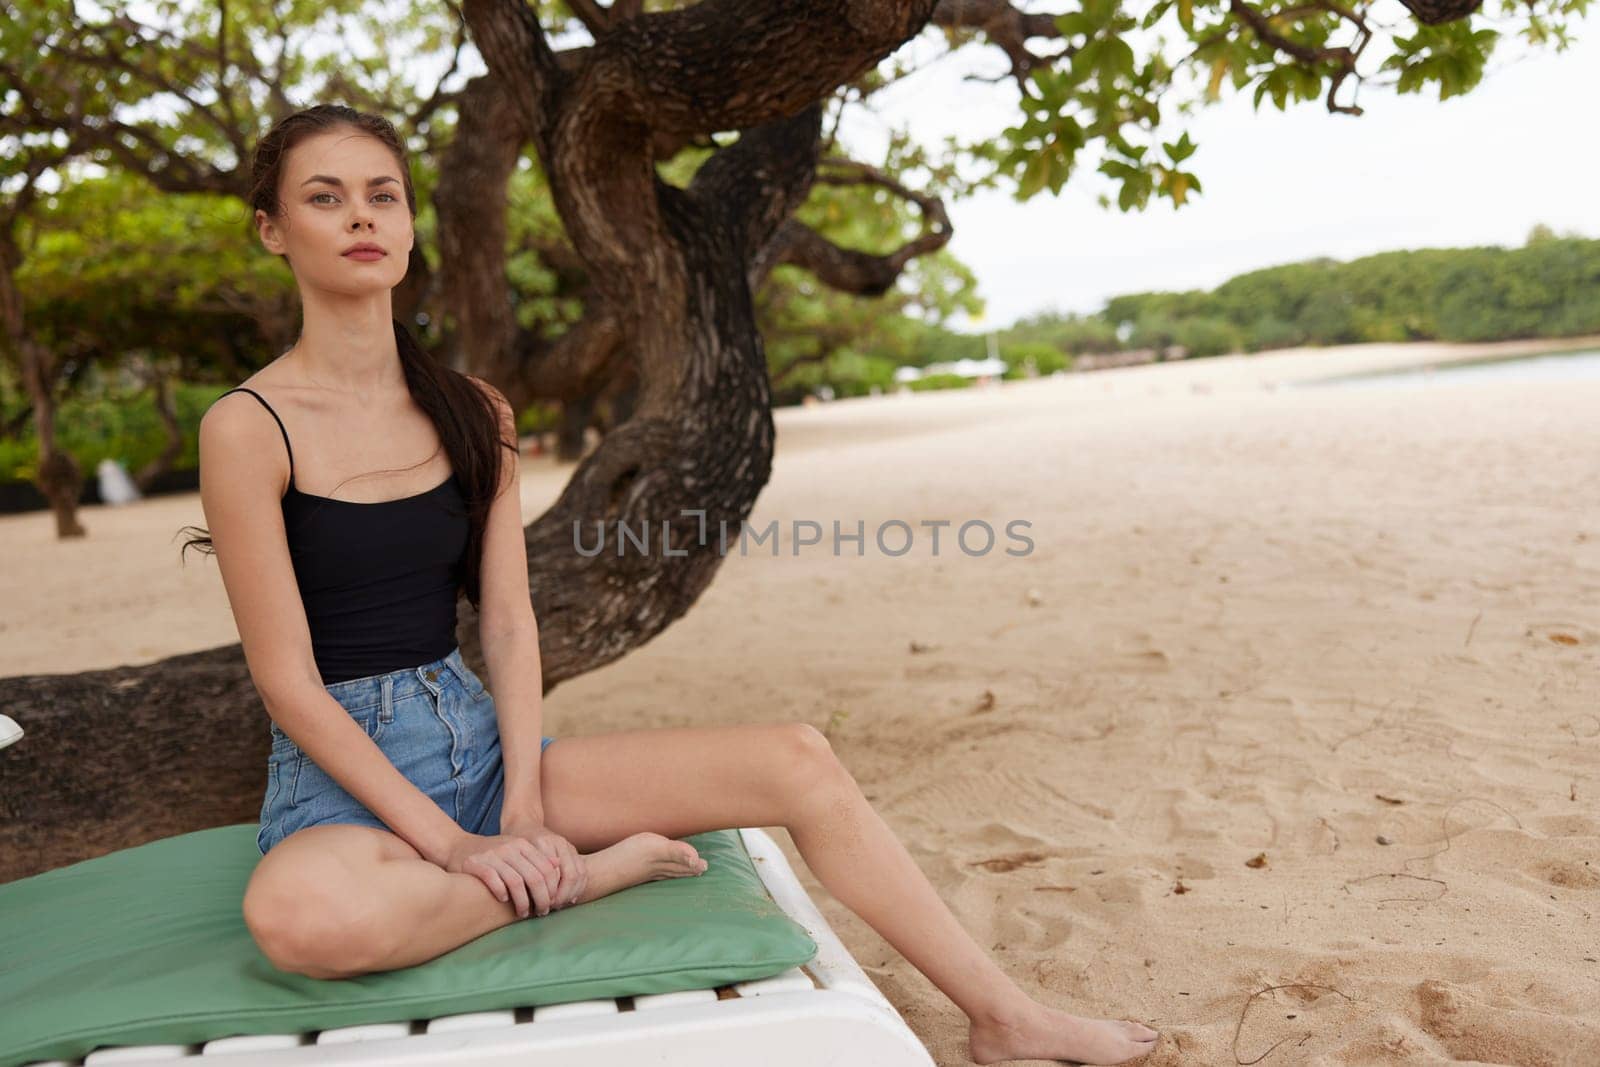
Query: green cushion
{"points": [[148, 945]]}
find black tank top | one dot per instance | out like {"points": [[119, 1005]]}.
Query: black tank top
{"points": [[379, 581]]}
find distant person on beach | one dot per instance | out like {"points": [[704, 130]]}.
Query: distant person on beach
{"points": [[353, 488]]}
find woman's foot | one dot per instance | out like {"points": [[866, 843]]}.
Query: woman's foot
{"points": [[643, 857], [1041, 1033]]}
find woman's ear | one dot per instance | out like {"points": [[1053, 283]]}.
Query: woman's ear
{"points": [[268, 231]]}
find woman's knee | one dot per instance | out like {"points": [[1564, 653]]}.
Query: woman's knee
{"points": [[312, 928], [806, 762]]}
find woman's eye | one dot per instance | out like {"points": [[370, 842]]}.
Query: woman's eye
{"points": [[319, 196]]}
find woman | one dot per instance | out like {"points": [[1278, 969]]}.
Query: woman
{"points": [[352, 488]]}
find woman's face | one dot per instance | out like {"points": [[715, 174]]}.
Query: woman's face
{"points": [[338, 188]]}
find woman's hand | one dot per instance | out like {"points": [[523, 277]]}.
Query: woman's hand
{"points": [[512, 867], [574, 875]]}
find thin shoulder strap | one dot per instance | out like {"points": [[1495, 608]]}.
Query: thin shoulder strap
{"points": [[274, 414]]}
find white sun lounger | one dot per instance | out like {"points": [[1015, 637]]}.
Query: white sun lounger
{"points": [[824, 1012]]}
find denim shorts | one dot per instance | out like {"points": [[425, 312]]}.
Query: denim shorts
{"points": [[437, 725]]}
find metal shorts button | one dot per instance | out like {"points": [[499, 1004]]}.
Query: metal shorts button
{"points": [[433, 676]]}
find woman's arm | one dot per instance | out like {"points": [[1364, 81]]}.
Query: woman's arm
{"points": [[243, 474], [324, 731], [509, 633]]}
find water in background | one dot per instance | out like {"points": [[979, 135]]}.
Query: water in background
{"points": [[1556, 367]]}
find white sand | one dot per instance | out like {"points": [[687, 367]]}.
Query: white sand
{"points": [[1256, 613]]}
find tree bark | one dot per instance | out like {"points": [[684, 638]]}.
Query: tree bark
{"points": [[118, 757], [59, 478]]}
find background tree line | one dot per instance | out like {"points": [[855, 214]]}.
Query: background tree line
{"points": [[1549, 287]]}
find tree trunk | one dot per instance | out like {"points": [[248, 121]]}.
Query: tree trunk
{"points": [[60, 478], [620, 402], [570, 436], [167, 411], [115, 758]]}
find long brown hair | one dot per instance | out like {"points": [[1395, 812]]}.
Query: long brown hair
{"points": [[463, 414]]}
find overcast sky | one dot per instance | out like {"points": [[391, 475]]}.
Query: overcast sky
{"points": [[1412, 172]]}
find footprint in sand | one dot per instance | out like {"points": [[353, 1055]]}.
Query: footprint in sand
{"points": [[1567, 861], [1137, 651], [1567, 874], [1005, 864], [1471, 1030]]}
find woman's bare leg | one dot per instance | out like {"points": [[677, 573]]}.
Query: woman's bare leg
{"points": [[328, 901], [682, 781]]}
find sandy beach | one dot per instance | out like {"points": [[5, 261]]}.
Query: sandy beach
{"points": [[1284, 735]]}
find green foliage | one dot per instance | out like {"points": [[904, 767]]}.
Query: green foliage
{"points": [[1041, 357], [852, 373], [1207, 336], [539, 417], [1271, 333], [547, 299], [246, 62], [940, 381], [1448, 56], [1155, 330], [103, 421], [1127, 76], [1154, 308], [1548, 288], [113, 269], [815, 335], [1070, 334]]}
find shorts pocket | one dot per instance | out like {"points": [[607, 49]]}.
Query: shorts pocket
{"points": [[307, 781], [473, 684], [371, 720]]}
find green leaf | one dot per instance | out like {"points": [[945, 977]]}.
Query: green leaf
{"points": [[1181, 149], [1118, 58], [1075, 23], [1128, 199], [1033, 176]]}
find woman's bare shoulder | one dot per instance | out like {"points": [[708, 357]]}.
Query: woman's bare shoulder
{"points": [[241, 438]]}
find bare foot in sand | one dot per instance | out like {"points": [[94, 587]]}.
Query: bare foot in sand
{"points": [[643, 857], [1041, 1033]]}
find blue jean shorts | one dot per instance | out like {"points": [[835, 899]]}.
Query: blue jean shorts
{"points": [[435, 722]]}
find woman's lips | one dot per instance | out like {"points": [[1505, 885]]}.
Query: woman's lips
{"points": [[366, 255]]}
